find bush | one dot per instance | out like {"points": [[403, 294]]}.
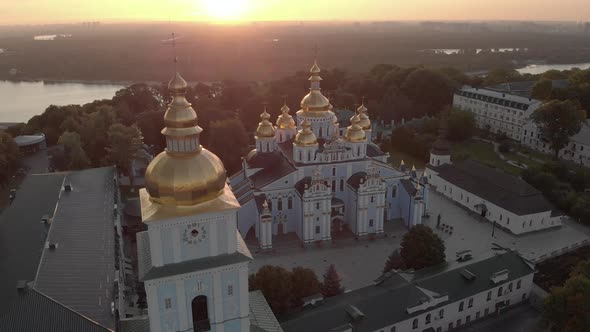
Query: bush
{"points": [[504, 147]]}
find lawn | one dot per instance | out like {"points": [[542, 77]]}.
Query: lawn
{"points": [[484, 153]]}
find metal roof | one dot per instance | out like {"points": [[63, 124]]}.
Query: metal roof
{"points": [[34, 311], [22, 235], [79, 272]]}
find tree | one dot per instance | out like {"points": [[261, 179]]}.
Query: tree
{"points": [[227, 139], [558, 121], [422, 248], [497, 76], [542, 89], [9, 157], [429, 89], [75, 156], [124, 142], [581, 208], [135, 99], [331, 285], [567, 308], [394, 262], [461, 125], [276, 284], [305, 283]]}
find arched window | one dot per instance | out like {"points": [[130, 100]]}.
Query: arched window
{"points": [[320, 132], [500, 291], [470, 303], [290, 203], [415, 324], [341, 184], [441, 313], [427, 320], [333, 185], [200, 314], [518, 284], [510, 287], [461, 305], [300, 155], [392, 329], [279, 204]]}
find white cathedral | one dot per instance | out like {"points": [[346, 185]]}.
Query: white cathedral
{"points": [[192, 258], [313, 178]]}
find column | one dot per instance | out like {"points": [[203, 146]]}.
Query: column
{"points": [[218, 301], [181, 305]]}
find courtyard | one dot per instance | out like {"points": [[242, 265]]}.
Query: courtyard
{"points": [[361, 262]]}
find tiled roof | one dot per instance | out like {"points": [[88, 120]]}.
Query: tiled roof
{"points": [[79, 272], [261, 316], [498, 97], [34, 311]]}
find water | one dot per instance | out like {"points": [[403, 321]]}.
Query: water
{"points": [[449, 51], [540, 69], [50, 37], [23, 100]]}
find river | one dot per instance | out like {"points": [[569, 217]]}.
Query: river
{"points": [[23, 100], [540, 69]]}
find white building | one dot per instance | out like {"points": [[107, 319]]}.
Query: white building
{"points": [[502, 112], [504, 199], [578, 149], [427, 300], [310, 177]]}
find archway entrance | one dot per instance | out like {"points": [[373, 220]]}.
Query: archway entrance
{"points": [[200, 314]]}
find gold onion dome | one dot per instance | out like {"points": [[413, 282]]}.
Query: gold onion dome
{"points": [[285, 120], [315, 102], [185, 174], [354, 133], [265, 128], [305, 136], [365, 123]]}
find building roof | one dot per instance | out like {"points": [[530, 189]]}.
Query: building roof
{"points": [[22, 235], [386, 303], [34, 311], [79, 272], [498, 97], [583, 136], [278, 168], [409, 186], [374, 151], [355, 180], [135, 324], [26, 140], [504, 190], [148, 272], [261, 316], [525, 88]]}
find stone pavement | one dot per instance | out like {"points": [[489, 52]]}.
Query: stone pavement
{"points": [[361, 262]]}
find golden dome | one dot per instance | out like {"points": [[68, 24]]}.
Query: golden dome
{"points": [[305, 136], [285, 120], [315, 103], [185, 174], [354, 133], [365, 122], [265, 128]]}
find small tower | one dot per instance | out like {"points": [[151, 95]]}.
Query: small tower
{"points": [[265, 134], [440, 153], [355, 136], [316, 200], [365, 122], [402, 166], [286, 128], [305, 144], [265, 227]]}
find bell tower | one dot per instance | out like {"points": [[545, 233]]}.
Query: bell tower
{"points": [[192, 260]]}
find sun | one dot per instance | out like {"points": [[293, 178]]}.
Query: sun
{"points": [[225, 10]]}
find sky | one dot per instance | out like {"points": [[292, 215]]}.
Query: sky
{"points": [[72, 11]]}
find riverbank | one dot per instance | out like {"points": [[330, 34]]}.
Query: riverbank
{"points": [[66, 81]]}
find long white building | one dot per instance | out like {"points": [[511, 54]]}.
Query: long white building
{"points": [[498, 197], [578, 149], [426, 300], [502, 112]]}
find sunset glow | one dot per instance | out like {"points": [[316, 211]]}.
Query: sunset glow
{"points": [[225, 10]]}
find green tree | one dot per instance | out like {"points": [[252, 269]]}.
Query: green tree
{"points": [[93, 130], [276, 284], [331, 285], [581, 208], [135, 99], [75, 156], [461, 125], [500, 75], [558, 121], [394, 262], [9, 157], [542, 89], [430, 90], [305, 283], [227, 139], [567, 308], [124, 142], [422, 248]]}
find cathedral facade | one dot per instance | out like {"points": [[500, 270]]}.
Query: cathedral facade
{"points": [[312, 177]]}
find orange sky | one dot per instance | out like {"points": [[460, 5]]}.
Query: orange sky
{"points": [[57, 11]]}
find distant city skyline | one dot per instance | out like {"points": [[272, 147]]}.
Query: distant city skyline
{"points": [[68, 11]]}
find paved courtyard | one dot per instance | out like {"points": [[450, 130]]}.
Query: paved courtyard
{"points": [[359, 263]]}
